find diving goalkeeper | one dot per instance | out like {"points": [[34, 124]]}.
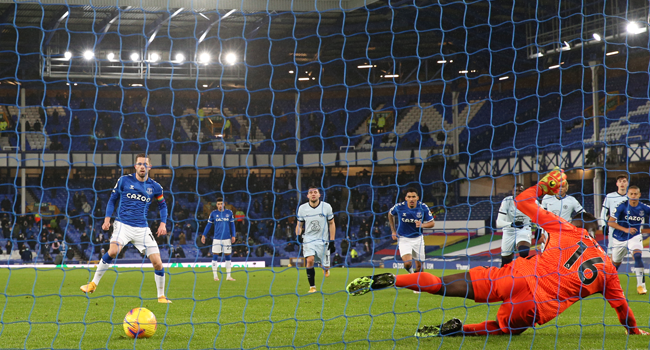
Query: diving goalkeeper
{"points": [[533, 291]]}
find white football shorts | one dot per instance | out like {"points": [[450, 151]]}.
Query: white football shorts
{"points": [[621, 248], [221, 245], [140, 237], [413, 246], [319, 251], [511, 238]]}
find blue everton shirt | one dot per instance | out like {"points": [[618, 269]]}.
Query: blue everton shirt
{"points": [[135, 197], [406, 217], [629, 216], [223, 222]]}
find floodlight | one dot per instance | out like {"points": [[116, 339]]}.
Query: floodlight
{"points": [[231, 58], [67, 55], [135, 56], [88, 55], [204, 57]]}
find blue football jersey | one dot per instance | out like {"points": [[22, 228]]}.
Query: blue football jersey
{"points": [[629, 216], [134, 199], [223, 222], [406, 217]]}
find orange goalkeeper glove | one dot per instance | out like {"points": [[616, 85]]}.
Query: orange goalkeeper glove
{"points": [[553, 181]]}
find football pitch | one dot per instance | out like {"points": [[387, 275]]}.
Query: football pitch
{"points": [[269, 308]]}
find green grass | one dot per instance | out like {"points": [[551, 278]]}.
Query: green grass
{"points": [[270, 308]]}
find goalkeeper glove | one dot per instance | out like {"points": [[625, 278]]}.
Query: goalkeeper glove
{"points": [[332, 247], [518, 224], [553, 181], [300, 239]]}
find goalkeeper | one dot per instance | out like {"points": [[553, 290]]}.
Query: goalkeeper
{"points": [[534, 291]]}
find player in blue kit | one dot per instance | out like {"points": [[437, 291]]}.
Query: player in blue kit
{"points": [[135, 193], [224, 236], [627, 221], [412, 216]]}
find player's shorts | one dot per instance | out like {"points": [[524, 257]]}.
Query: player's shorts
{"points": [[140, 237], [511, 238], [413, 246], [621, 248], [493, 284], [319, 251], [221, 245]]}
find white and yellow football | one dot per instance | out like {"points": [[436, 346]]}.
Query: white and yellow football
{"points": [[140, 323]]}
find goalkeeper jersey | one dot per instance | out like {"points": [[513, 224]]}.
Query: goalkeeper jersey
{"points": [[572, 265]]}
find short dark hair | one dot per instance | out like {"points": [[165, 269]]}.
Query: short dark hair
{"points": [[518, 185], [142, 155], [411, 189], [621, 177], [313, 188], [634, 187], [219, 199]]}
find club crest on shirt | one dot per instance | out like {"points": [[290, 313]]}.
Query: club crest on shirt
{"points": [[149, 190], [641, 213], [419, 215], [566, 206], [314, 226]]}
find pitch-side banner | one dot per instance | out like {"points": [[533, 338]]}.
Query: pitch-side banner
{"points": [[239, 264]]}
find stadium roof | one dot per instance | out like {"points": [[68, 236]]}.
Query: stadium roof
{"points": [[495, 37]]}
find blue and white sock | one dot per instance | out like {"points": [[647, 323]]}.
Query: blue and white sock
{"points": [[104, 264]]}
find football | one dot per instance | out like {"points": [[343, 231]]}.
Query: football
{"points": [[140, 323]]}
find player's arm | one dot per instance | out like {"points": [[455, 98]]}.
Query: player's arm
{"points": [[502, 219], [613, 222], [232, 229], [208, 227], [162, 207], [391, 222], [604, 214], [299, 224], [428, 219], [616, 299], [110, 206]]}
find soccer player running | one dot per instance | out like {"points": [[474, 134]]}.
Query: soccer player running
{"points": [[534, 291], [223, 221], [135, 193], [517, 233], [627, 220], [612, 200], [317, 241], [413, 216]]}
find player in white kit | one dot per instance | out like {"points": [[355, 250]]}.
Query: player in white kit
{"points": [[317, 241], [562, 205], [611, 202], [517, 233]]}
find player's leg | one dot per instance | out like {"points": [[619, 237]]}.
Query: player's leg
{"points": [[217, 249], [145, 242], [324, 258], [227, 250], [159, 276], [456, 285], [120, 237], [405, 246], [635, 245], [418, 253], [618, 251], [311, 274], [523, 239], [507, 247]]}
